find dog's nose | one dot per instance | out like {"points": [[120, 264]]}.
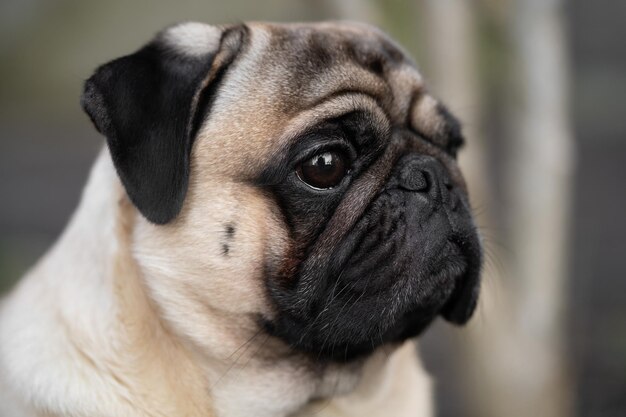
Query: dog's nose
{"points": [[425, 174]]}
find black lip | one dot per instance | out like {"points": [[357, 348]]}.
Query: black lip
{"points": [[410, 321]]}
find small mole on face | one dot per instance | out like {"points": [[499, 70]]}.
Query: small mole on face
{"points": [[229, 232]]}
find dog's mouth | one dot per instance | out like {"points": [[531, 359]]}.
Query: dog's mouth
{"points": [[384, 301]]}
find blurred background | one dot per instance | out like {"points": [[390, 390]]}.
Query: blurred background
{"points": [[541, 88]]}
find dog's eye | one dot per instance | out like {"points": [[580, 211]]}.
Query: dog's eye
{"points": [[324, 170]]}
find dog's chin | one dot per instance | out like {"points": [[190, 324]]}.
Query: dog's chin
{"points": [[351, 323]]}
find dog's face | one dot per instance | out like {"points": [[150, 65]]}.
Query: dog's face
{"points": [[300, 176]]}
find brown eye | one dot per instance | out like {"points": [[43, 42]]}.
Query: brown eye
{"points": [[323, 171]]}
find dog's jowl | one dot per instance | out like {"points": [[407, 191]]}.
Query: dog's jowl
{"points": [[277, 213]]}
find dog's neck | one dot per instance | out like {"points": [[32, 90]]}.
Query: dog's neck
{"points": [[105, 350], [91, 341]]}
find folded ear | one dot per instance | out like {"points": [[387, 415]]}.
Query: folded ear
{"points": [[150, 105]]}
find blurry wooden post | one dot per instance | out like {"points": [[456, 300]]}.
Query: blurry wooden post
{"points": [[539, 184], [513, 357]]}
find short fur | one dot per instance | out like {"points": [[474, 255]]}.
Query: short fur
{"points": [[200, 277]]}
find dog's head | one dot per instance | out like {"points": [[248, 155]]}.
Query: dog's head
{"points": [[299, 175]]}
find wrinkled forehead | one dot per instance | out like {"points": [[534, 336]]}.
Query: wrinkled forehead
{"points": [[287, 76], [316, 62], [317, 47]]}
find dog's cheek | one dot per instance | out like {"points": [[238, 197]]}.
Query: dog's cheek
{"points": [[212, 259]]}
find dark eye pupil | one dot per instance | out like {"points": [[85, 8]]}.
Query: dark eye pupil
{"points": [[323, 171]]}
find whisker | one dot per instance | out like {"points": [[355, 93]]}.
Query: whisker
{"points": [[247, 345]]}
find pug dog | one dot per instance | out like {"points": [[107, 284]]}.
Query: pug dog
{"points": [[277, 213]]}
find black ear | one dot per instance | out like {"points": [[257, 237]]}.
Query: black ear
{"points": [[150, 105]]}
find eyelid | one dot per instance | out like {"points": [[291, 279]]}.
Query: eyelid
{"points": [[335, 144]]}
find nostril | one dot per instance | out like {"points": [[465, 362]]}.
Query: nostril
{"points": [[454, 201], [413, 180], [449, 195]]}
